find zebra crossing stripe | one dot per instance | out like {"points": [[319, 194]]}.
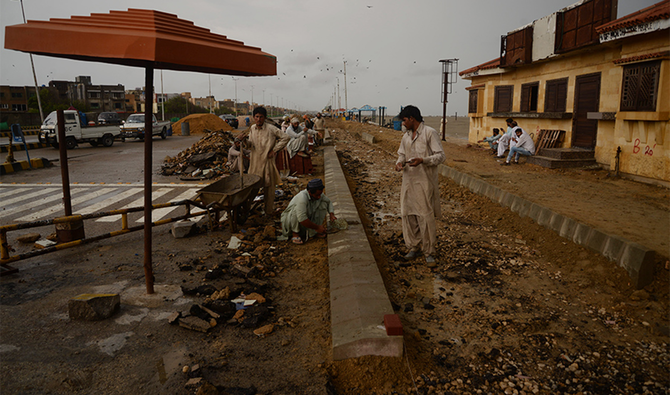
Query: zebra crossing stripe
{"points": [[51, 210], [160, 213], [10, 193], [31, 205], [94, 208], [139, 202]]}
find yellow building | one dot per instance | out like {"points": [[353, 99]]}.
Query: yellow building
{"points": [[604, 82]]}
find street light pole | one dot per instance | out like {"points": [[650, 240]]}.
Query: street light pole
{"points": [[235, 80]]}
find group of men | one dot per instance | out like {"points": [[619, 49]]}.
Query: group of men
{"points": [[515, 139], [419, 154]]}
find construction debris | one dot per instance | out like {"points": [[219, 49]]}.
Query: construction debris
{"points": [[205, 159]]}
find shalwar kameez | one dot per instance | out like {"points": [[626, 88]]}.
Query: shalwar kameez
{"points": [[303, 207], [263, 140], [420, 192]]}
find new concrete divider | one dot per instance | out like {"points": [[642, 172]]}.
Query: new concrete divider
{"points": [[358, 298], [635, 258]]}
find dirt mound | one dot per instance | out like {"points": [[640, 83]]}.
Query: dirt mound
{"points": [[200, 123]]}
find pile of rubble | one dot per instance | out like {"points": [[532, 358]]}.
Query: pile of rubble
{"points": [[202, 123], [205, 159]]}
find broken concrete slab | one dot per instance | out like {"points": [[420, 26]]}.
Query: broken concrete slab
{"points": [[93, 307], [181, 229], [28, 238], [194, 323]]}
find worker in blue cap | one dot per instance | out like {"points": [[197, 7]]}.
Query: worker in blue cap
{"points": [[305, 214]]}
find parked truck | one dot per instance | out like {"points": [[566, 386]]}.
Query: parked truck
{"points": [[76, 132], [133, 127]]}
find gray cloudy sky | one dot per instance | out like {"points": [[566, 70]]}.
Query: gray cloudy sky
{"points": [[392, 47]]}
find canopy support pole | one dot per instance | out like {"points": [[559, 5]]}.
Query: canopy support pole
{"points": [[148, 159]]}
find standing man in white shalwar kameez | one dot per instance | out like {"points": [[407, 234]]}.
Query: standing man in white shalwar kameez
{"points": [[418, 156], [265, 141]]}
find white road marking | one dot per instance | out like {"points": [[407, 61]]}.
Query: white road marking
{"points": [[109, 201], [51, 210], [163, 212], [139, 202]]}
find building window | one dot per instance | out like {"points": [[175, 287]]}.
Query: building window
{"points": [[639, 89], [93, 95], [95, 105], [529, 97], [555, 95], [18, 107], [17, 95], [4, 106], [503, 98], [472, 102], [117, 106]]}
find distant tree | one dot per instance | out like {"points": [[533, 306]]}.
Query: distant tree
{"points": [[177, 105]]}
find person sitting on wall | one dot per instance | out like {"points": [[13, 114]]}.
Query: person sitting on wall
{"points": [[508, 139], [524, 146], [305, 214], [492, 140]]}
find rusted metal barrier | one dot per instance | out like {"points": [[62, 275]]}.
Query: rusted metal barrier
{"points": [[5, 258]]}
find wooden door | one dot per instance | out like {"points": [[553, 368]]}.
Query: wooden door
{"points": [[587, 99]]}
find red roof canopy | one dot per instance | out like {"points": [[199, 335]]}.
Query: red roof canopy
{"points": [[140, 38]]}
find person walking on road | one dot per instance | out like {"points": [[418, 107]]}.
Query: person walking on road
{"points": [[419, 155], [264, 141]]}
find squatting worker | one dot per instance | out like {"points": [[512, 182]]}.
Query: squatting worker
{"points": [[304, 216], [265, 141], [234, 154], [418, 156]]}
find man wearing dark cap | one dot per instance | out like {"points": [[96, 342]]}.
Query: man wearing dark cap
{"points": [[304, 216]]}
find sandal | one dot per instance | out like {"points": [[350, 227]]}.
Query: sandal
{"points": [[296, 240]]}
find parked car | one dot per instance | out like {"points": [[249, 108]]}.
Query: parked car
{"points": [[109, 118], [134, 127], [231, 120]]}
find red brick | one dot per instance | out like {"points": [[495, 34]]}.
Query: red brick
{"points": [[393, 325]]}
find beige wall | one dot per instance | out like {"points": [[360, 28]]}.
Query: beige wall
{"points": [[643, 136]]}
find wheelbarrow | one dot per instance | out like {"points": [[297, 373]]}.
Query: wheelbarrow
{"points": [[232, 196]]}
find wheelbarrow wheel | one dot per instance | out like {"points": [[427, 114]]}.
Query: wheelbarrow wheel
{"points": [[241, 215]]}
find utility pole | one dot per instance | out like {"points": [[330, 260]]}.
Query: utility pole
{"points": [[339, 98], [346, 105], [162, 99], [209, 76], [235, 80], [449, 75], [32, 64]]}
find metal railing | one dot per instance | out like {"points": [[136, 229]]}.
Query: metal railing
{"points": [[5, 257]]}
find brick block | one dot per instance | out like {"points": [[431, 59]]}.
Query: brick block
{"points": [[393, 325], [93, 307]]}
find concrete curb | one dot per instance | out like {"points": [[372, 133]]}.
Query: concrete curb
{"points": [[358, 298], [19, 165], [19, 147], [635, 258]]}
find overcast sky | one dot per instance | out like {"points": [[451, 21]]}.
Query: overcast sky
{"points": [[392, 47]]}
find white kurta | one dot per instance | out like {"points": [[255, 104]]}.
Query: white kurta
{"points": [[507, 141], [420, 192]]}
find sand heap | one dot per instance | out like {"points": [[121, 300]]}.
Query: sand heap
{"points": [[205, 159], [202, 123]]}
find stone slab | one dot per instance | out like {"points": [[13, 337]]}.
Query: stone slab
{"points": [[358, 297], [93, 307]]}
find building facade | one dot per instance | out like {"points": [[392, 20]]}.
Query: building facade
{"points": [[604, 81]]}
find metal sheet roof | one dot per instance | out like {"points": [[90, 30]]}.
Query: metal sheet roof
{"points": [[140, 38]]}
